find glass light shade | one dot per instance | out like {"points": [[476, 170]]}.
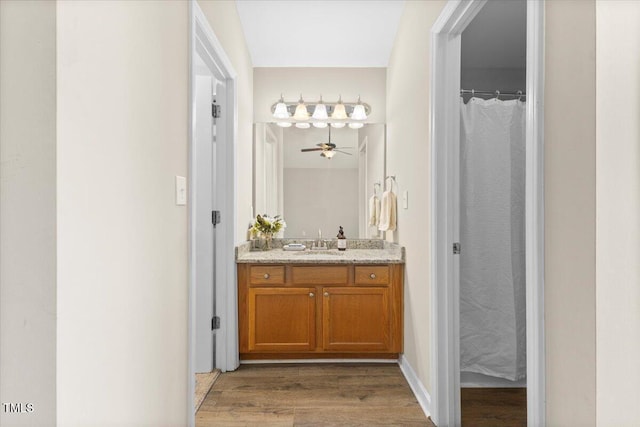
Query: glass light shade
{"points": [[339, 111], [281, 112], [303, 125], [301, 112], [359, 113], [284, 124], [328, 154], [320, 125], [338, 125], [356, 125], [320, 112]]}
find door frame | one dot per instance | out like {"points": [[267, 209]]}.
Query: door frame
{"points": [[445, 134], [204, 43]]}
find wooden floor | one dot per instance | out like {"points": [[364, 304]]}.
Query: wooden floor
{"points": [[312, 395], [493, 407]]}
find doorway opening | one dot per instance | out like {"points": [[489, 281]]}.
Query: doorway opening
{"points": [[448, 190], [492, 305], [212, 292]]}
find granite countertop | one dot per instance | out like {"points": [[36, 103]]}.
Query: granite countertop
{"points": [[358, 252]]}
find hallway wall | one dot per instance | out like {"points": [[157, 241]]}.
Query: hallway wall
{"points": [[408, 157], [28, 211], [570, 197], [122, 242], [618, 213]]}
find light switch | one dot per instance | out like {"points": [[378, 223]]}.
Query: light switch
{"points": [[405, 199], [181, 190]]}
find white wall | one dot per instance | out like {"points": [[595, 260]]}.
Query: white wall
{"points": [[618, 213], [28, 210], [122, 241], [408, 159], [225, 22], [369, 83], [569, 138], [321, 199]]}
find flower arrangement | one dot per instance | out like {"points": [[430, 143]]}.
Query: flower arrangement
{"points": [[266, 226]]}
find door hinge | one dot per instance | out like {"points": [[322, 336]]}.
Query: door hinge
{"points": [[456, 248], [215, 323], [215, 217], [216, 111]]}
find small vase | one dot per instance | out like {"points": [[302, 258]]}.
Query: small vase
{"points": [[267, 242]]}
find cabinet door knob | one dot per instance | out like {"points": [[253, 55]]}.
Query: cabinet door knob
{"points": [[372, 275], [266, 275], [311, 294], [326, 294]]}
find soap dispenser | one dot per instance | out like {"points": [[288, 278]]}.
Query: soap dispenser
{"points": [[342, 240]]}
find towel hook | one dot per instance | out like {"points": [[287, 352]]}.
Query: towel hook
{"points": [[393, 178], [376, 184]]}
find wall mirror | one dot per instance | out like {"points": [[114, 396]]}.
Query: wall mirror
{"points": [[323, 187]]}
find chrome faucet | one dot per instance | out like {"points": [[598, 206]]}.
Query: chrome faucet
{"points": [[319, 244]]}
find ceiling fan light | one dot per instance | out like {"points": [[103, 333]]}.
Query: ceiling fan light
{"points": [[284, 124], [303, 125], [320, 125], [356, 125], [337, 125], [328, 154]]}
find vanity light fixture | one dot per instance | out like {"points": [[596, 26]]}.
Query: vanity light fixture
{"points": [[337, 114], [359, 112], [320, 113], [280, 110], [301, 110]]}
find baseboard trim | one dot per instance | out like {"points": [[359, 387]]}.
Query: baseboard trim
{"points": [[276, 361], [421, 393]]}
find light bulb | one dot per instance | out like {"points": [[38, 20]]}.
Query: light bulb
{"points": [[303, 125], [358, 112], [320, 125], [356, 125], [281, 111], [301, 111], [339, 111], [284, 124], [320, 112], [337, 125]]}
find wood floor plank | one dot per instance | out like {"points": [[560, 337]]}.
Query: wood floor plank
{"points": [[493, 407], [314, 394]]}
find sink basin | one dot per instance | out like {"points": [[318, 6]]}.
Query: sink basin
{"points": [[327, 252]]}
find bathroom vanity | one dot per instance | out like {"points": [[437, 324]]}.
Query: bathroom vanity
{"points": [[321, 304]]}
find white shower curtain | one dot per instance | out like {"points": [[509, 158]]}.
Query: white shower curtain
{"points": [[492, 260]]}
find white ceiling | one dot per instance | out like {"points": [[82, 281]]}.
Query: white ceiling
{"points": [[497, 36], [305, 33]]}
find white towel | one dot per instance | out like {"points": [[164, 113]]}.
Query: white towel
{"points": [[374, 211], [388, 212]]}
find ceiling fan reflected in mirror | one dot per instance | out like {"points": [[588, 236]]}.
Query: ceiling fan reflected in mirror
{"points": [[328, 149]]}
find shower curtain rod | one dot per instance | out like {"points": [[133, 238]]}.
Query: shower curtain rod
{"points": [[495, 92]]}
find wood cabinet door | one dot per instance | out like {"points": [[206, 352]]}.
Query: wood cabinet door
{"points": [[356, 319], [282, 319]]}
